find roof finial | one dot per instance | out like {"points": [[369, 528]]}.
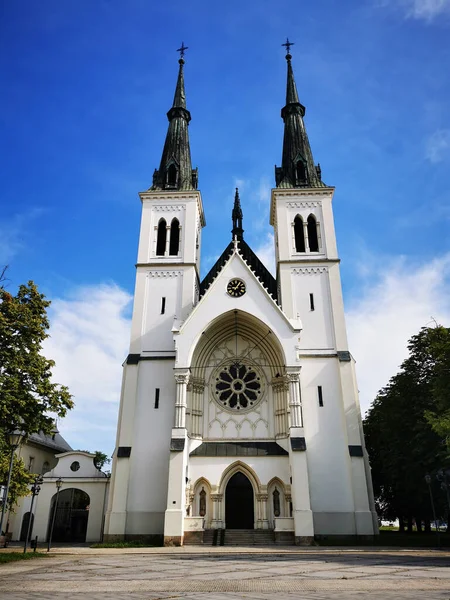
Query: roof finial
{"points": [[288, 45], [236, 216], [181, 50]]}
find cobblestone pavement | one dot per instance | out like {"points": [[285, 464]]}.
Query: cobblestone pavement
{"points": [[320, 575]]}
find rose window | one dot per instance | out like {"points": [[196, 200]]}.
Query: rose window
{"points": [[237, 386]]}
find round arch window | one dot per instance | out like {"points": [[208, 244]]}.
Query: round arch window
{"points": [[237, 386], [75, 466]]}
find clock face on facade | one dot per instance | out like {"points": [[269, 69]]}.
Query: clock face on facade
{"points": [[236, 288]]}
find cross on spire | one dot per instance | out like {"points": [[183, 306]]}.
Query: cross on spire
{"points": [[288, 45], [182, 49]]}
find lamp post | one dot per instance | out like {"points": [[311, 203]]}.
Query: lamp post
{"points": [[14, 437], [59, 483], [35, 489], [428, 480]]}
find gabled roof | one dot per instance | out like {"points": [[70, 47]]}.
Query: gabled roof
{"points": [[256, 266], [54, 442]]}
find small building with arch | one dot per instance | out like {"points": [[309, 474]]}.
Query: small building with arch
{"points": [[78, 508]]}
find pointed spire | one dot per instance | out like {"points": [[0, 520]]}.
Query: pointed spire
{"points": [[297, 167], [175, 170], [236, 216]]}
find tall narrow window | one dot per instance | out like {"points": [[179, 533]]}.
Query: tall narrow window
{"points": [[276, 503], [161, 239], [311, 301], [299, 234], [163, 305], [312, 234], [202, 503], [320, 395], [156, 397], [300, 172], [171, 177], [174, 237]]}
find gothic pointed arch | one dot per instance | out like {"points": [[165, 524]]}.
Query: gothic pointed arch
{"points": [[313, 238], [228, 326], [299, 234], [300, 171], [201, 499], [239, 467], [171, 176], [174, 245], [161, 237]]}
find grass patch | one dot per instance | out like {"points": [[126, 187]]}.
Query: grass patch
{"points": [[391, 538], [125, 545], [7, 557]]}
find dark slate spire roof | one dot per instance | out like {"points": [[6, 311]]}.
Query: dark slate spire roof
{"points": [[175, 171], [297, 167], [264, 276], [236, 216]]}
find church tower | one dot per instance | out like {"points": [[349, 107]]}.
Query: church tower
{"points": [[167, 288], [309, 288], [239, 417]]}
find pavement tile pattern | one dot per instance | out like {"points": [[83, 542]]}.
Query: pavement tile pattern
{"points": [[318, 574]]}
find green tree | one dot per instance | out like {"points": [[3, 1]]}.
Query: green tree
{"points": [[29, 400], [101, 459], [403, 445], [439, 414]]}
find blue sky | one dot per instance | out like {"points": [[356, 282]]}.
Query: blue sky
{"points": [[86, 87]]}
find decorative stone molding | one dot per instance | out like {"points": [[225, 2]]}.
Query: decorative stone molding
{"points": [[280, 384], [293, 377], [182, 378], [305, 204], [196, 384], [168, 207], [164, 274], [309, 270]]}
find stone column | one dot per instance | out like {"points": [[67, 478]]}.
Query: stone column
{"points": [[166, 252], [288, 507], [181, 378], [280, 389], [295, 404], [197, 386], [319, 237], [263, 522], [216, 522], [305, 233]]}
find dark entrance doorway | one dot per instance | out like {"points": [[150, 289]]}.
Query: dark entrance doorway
{"points": [[71, 517], [23, 531], [239, 513]]}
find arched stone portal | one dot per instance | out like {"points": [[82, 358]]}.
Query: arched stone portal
{"points": [[239, 503], [71, 517]]}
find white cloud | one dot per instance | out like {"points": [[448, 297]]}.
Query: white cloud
{"points": [[90, 332], [396, 301], [437, 147], [425, 10], [266, 252], [13, 234]]}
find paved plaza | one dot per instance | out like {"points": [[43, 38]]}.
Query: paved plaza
{"points": [[229, 574]]}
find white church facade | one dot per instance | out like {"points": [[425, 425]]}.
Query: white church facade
{"points": [[239, 407]]}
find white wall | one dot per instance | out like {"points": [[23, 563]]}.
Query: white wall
{"points": [[149, 460]]}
